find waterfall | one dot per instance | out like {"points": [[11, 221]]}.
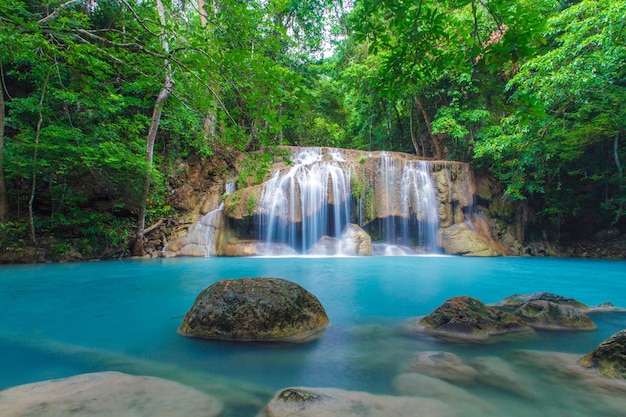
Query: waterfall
{"points": [[407, 204], [209, 226], [309, 200]]}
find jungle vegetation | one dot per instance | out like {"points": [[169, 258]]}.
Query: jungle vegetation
{"points": [[102, 99]]}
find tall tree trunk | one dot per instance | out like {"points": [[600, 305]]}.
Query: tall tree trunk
{"points": [[3, 190], [203, 20], [620, 172], [31, 217], [436, 140], [209, 120], [166, 90]]}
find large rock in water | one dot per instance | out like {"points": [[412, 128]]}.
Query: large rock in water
{"points": [[331, 402], [609, 357], [468, 318], [107, 394], [255, 309]]}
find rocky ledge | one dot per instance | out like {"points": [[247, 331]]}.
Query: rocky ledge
{"points": [[255, 309]]}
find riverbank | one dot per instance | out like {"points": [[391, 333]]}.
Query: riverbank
{"points": [[597, 249]]}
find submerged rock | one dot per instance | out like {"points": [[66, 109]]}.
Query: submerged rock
{"points": [[442, 365], [419, 385], [330, 402], [609, 357], [547, 315], [468, 318], [107, 394], [255, 309], [498, 373]]}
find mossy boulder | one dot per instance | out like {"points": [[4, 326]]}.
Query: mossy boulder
{"points": [[609, 358], [515, 301], [255, 309], [469, 318], [547, 315]]}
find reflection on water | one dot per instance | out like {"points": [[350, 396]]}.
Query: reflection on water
{"points": [[61, 320]]}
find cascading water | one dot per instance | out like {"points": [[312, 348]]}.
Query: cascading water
{"points": [[209, 226], [408, 203], [310, 200]]}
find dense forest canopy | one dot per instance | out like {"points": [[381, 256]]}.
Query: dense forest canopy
{"points": [[101, 100]]}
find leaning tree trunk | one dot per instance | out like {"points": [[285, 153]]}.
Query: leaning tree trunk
{"points": [[166, 90]]}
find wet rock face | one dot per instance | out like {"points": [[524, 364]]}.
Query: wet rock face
{"points": [[547, 315], [468, 318], [609, 358], [460, 239], [255, 309]]}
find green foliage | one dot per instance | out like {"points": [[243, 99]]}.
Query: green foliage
{"points": [[251, 203], [563, 140], [99, 67]]}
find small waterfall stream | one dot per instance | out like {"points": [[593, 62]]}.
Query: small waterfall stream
{"points": [[209, 226], [409, 201], [309, 200]]}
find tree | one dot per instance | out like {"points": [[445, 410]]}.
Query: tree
{"points": [[162, 97], [562, 144]]}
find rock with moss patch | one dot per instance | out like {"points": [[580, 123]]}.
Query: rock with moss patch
{"points": [[255, 309], [331, 402], [515, 301], [609, 358], [547, 315], [468, 318]]}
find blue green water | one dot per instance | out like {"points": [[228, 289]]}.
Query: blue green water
{"points": [[61, 320]]}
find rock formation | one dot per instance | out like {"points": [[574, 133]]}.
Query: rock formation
{"points": [[443, 365], [515, 301], [313, 196], [255, 309], [609, 358], [548, 315], [468, 318], [331, 402], [107, 394]]}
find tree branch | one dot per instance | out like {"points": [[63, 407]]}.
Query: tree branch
{"points": [[56, 12]]}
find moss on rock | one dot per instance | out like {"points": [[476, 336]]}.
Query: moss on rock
{"points": [[255, 309]]}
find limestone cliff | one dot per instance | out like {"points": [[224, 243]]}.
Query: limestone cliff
{"points": [[313, 193]]}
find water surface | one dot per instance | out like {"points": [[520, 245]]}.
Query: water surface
{"points": [[61, 320]]}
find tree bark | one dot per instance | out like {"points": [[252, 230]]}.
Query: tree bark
{"points": [[31, 216], [3, 191], [436, 140], [620, 173], [166, 90]]}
